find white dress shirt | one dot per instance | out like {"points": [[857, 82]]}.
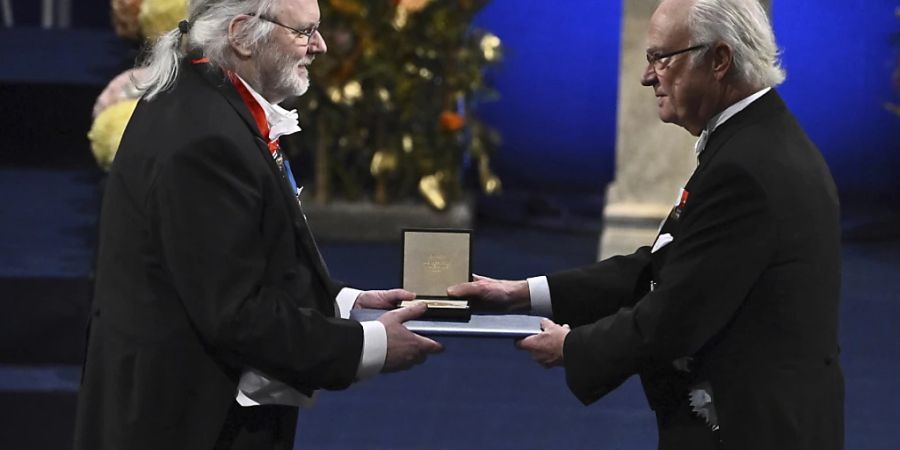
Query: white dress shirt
{"points": [[723, 116]]}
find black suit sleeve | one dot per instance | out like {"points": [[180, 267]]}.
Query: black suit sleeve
{"points": [[726, 240], [584, 295], [215, 240]]}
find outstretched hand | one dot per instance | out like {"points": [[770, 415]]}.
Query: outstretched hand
{"points": [[383, 299], [405, 348], [547, 347], [488, 293]]}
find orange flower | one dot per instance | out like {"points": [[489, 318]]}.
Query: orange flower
{"points": [[348, 6], [452, 121], [412, 5]]}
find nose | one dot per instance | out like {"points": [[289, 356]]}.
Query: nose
{"points": [[317, 44], [649, 78]]}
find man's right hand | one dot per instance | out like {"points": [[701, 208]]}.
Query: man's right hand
{"points": [[405, 348], [490, 294]]}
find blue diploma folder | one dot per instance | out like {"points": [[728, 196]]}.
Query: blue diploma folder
{"points": [[484, 325]]}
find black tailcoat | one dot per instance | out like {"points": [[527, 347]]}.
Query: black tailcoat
{"points": [[206, 267], [749, 288]]}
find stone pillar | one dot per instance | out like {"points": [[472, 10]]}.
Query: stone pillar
{"points": [[653, 159]]}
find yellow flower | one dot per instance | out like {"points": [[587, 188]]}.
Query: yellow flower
{"points": [[352, 92], [383, 163], [490, 47], [430, 188], [161, 16], [106, 131]]}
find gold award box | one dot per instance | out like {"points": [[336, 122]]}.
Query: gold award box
{"points": [[433, 260]]}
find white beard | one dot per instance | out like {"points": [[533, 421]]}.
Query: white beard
{"points": [[281, 80]]}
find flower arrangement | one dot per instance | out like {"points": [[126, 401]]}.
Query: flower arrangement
{"points": [[390, 114], [133, 20]]}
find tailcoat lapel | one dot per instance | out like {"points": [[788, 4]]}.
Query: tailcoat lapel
{"points": [[304, 239], [764, 107]]}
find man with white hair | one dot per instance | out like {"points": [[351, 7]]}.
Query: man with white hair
{"points": [[730, 318], [214, 316]]}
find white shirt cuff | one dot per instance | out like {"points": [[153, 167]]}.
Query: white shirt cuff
{"points": [[256, 388], [539, 290], [345, 301], [374, 351]]}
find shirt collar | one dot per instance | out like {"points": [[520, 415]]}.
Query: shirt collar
{"points": [[281, 121], [726, 114]]}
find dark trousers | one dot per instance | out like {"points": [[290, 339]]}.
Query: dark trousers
{"points": [[681, 429], [258, 428]]}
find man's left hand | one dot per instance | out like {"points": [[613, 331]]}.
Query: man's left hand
{"points": [[383, 299], [547, 347]]}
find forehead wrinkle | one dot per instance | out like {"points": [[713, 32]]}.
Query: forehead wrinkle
{"points": [[662, 39]]}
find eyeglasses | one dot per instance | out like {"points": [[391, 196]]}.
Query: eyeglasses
{"points": [[661, 61], [301, 37]]}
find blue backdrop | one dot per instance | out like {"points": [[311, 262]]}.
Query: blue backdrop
{"points": [[560, 78], [559, 83], [558, 87]]}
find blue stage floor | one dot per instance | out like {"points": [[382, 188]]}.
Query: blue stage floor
{"points": [[480, 393]]}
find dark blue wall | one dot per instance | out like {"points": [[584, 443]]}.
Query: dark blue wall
{"points": [[559, 84], [84, 13], [558, 87], [839, 59]]}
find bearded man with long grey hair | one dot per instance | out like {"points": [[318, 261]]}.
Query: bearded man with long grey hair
{"points": [[214, 316]]}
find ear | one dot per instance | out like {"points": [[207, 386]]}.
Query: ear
{"points": [[723, 57], [235, 28]]}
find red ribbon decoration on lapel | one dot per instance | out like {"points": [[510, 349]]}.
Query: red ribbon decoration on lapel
{"points": [[256, 110], [259, 116], [684, 197]]}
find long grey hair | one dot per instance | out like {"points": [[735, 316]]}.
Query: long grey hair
{"points": [[745, 27], [207, 31]]}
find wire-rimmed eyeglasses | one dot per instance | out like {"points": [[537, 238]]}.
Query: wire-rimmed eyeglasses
{"points": [[301, 37], [659, 61]]}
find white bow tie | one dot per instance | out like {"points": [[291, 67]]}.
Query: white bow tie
{"points": [[283, 123], [701, 142]]}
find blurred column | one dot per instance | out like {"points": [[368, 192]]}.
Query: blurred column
{"points": [[7, 12], [56, 14], [653, 159], [47, 15]]}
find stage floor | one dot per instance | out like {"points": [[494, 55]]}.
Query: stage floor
{"points": [[480, 393]]}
